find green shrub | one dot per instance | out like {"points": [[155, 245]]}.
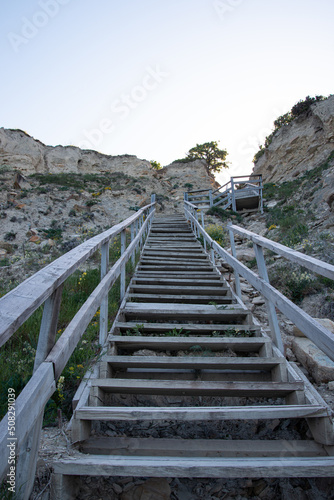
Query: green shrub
{"points": [[217, 233], [224, 214]]}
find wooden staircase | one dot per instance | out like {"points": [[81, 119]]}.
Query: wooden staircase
{"points": [[186, 359]]}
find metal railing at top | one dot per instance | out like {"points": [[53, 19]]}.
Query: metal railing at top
{"points": [[238, 187], [311, 328], [52, 356]]}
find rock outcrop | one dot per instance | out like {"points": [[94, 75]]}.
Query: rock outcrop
{"points": [[22, 152], [300, 146]]}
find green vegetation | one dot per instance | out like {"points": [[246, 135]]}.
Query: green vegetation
{"points": [[156, 165], [288, 220], [10, 236], [291, 221], [209, 151], [217, 233], [224, 214], [300, 108]]}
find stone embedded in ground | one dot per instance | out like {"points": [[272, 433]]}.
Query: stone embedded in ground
{"points": [[20, 182], [245, 254], [318, 364], [258, 301], [327, 323], [152, 489], [35, 239]]}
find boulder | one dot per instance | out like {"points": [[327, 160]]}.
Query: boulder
{"points": [[20, 182], [245, 254], [318, 364]]}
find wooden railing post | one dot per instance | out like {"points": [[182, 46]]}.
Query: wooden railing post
{"points": [[272, 316], [234, 205], [123, 271], [27, 460], [132, 238], [234, 253], [104, 303], [196, 228], [48, 328], [261, 194], [213, 257], [210, 198], [202, 217]]}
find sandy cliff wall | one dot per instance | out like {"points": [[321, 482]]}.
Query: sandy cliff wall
{"points": [[300, 146]]}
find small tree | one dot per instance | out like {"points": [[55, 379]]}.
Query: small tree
{"points": [[209, 151]]}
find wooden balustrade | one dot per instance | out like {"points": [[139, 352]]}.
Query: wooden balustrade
{"points": [[51, 357], [322, 337]]}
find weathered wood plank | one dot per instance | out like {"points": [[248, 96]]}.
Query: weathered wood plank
{"points": [[196, 388], [102, 465], [195, 299], [28, 408], [193, 363], [115, 413], [201, 447], [194, 327]]}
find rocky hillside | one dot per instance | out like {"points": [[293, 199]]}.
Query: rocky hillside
{"points": [[299, 146], [52, 198]]}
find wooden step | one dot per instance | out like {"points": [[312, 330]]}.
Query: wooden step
{"points": [[173, 255], [197, 413], [156, 466], [196, 388], [142, 273], [172, 267], [201, 447], [211, 281], [193, 362], [194, 299], [225, 313], [205, 329]]}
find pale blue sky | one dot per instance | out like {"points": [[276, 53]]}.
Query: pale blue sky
{"points": [[153, 78]]}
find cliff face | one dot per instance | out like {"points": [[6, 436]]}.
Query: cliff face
{"points": [[21, 152], [300, 146]]}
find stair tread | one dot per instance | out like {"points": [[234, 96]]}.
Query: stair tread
{"points": [[196, 413], [194, 362], [194, 327], [102, 465], [200, 447], [197, 388]]}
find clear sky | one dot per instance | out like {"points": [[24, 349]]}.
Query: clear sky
{"points": [[154, 77]]}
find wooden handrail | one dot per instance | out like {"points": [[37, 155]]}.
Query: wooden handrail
{"points": [[315, 265], [30, 403], [322, 337], [18, 305]]}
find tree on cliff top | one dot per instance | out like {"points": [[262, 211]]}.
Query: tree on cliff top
{"points": [[209, 151]]}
